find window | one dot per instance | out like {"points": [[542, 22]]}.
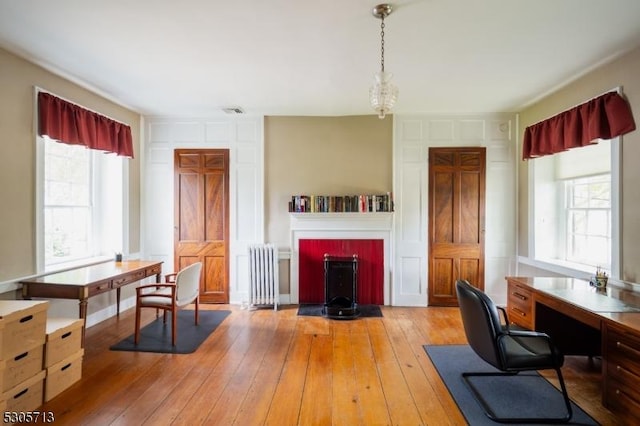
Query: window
{"points": [[575, 208], [588, 220], [80, 193], [68, 181]]}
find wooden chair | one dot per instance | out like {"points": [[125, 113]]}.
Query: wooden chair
{"points": [[170, 296]]}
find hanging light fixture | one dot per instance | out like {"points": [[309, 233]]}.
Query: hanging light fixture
{"points": [[383, 93]]}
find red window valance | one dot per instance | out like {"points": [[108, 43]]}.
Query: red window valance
{"points": [[604, 117], [74, 125]]}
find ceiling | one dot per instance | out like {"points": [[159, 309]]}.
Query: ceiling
{"points": [[297, 57]]}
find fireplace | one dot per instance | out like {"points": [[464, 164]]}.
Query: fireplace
{"points": [[370, 254], [368, 235], [340, 287]]}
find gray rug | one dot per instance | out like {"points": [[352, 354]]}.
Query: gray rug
{"points": [[526, 394], [316, 310], [156, 336]]}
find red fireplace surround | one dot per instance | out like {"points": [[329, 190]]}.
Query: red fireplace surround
{"points": [[370, 254]]}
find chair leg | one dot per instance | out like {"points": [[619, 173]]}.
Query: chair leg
{"points": [[197, 311], [174, 324], [491, 414]]}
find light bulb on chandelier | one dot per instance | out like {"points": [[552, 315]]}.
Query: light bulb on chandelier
{"points": [[383, 94]]}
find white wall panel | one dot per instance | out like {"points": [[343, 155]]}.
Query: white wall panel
{"points": [[159, 132], [410, 202], [440, 130], [244, 138], [413, 136], [411, 281], [218, 131], [472, 130], [412, 130], [188, 132]]}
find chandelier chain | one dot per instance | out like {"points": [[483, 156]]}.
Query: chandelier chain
{"points": [[382, 44]]}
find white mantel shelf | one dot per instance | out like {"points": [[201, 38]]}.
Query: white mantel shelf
{"points": [[348, 225], [348, 221]]}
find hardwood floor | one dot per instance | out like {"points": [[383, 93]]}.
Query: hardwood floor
{"points": [[274, 368]]}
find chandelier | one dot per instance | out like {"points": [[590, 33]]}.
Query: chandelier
{"points": [[383, 93]]}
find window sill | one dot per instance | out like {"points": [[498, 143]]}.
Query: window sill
{"points": [[60, 267], [559, 267]]}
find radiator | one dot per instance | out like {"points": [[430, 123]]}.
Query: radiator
{"points": [[263, 275]]}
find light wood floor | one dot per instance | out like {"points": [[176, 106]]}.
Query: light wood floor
{"points": [[265, 367]]}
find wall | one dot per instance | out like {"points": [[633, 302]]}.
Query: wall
{"points": [[243, 137], [623, 71], [413, 136], [17, 148], [323, 156]]}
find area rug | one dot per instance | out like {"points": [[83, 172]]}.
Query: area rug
{"points": [[156, 336], [316, 310], [525, 394]]}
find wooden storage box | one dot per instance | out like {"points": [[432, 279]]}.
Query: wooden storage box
{"points": [[63, 374], [24, 325], [20, 367], [26, 396], [64, 338]]}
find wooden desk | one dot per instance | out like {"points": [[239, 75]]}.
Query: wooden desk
{"points": [[585, 320], [83, 283]]}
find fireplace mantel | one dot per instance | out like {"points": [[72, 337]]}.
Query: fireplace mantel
{"points": [[356, 225]]}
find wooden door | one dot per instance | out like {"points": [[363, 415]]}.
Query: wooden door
{"points": [[201, 179], [456, 221]]}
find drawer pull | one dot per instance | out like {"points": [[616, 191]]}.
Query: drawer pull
{"points": [[626, 372], [65, 335], [65, 367], [519, 312], [629, 399], [27, 318], [19, 394], [627, 348], [19, 357], [519, 296]]}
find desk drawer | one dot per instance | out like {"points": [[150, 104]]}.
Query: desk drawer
{"points": [[622, 370], [99, 287], [154, 270], [520, 306], [130, 278]]}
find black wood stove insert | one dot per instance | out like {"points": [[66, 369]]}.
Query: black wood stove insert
{"points": [[340, 287]]}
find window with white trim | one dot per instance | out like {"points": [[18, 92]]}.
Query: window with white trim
{"points": [[81, 204], [575, 207]]}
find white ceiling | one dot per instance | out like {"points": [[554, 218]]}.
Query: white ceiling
{"points": [[298, 57]]}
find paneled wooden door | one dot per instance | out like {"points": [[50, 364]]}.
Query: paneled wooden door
{"points": [[456, 221], [201, 231]]}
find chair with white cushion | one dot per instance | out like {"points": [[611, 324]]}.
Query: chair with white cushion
{"points": [[170, 296]]}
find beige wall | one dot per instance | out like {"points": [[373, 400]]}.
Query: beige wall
{"points": [[625, 72], [322, 156], [17, 150]]}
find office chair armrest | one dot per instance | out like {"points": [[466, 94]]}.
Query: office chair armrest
{"points": [[528, 333], [523, 335], [505, 317]]}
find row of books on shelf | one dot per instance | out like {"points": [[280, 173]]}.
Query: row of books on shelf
{"points": [[341, 203]]}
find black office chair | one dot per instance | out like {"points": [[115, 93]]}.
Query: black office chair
{"points": [[509, 350]]}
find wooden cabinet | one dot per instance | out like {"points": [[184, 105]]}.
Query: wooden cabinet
{"points": [[621, 371], [520, 305]]}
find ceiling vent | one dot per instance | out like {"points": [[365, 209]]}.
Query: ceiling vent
{"points": [[233, 110]]}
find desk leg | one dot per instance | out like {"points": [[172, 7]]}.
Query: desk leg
{"points": [[118, 302], [83, 315]]}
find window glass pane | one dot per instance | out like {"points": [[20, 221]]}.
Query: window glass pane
{"points": [[589, 220], [67, 202]]}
